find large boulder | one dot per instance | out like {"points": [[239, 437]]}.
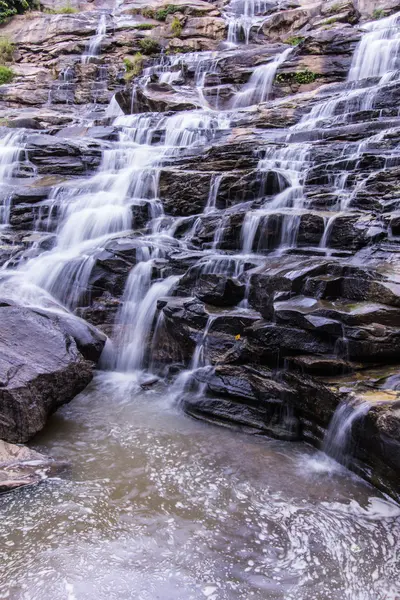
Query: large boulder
{"points": [[45, 360]]}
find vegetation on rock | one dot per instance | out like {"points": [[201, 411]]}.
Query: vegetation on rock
{"points": [[301, 77], [295, 41], [9, 8], [7, 49], [378, 13], [176, 27], [133, 67], [144, 26], [6, 74], [162, 13], [63, 10], [149, 46]]}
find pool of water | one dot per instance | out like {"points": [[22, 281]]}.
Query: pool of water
{"points": [[157, 505]]}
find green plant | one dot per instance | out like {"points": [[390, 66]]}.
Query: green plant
{"points": [[295, 41], [9, 8], [330, 21], [133, 67], [63, 10], [176, 27], [6, 50], [148, 13], [301, 77], [6, 75], [162, 13], [144, 26], [378, 13], [149, 46]]}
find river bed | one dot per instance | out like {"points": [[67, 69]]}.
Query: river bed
{"points": [[157, 505]]}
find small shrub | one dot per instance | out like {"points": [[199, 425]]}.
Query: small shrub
{"points": [[176, 27], [133, 67], [149, 46], [301, 77], [147, 13], [6, 50], [144, 26], [304, 77], [6, 75], [295, 41], [163, 13], [378, 13]]}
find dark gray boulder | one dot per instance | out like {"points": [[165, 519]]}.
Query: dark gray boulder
{"points": [[45, 360]]}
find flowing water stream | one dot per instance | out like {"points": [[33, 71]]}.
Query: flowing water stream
{"points": [[155, 504]]}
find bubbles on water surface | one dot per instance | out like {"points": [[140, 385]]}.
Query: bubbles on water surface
{"points": [[156, 505]]}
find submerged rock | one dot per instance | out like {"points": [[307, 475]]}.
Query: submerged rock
{"points": [[21, 466]]}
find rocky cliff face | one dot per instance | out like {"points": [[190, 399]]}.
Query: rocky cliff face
{"points": [[216, 187]]}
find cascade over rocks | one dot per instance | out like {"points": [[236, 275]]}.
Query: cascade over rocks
{"points": [[217, 191]]}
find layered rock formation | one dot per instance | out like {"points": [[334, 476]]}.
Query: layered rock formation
{"points": [[216, 189]]}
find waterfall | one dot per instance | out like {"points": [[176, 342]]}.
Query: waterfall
{"points": [[259, 86], [12, 156], [338, 438], [242, 16], [94, 46], [93, 212], [378, 53]]}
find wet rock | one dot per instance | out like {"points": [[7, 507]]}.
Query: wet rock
{"points": [[219, 290], [55, 156], [43, 366], [157, 97], [271, 343], [184, 193], [20, 466]]}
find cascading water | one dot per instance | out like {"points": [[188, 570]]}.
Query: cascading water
{"points": [[94, 46], [242, 16], [259, 86], [338, 439], [183, 473], [12, 157]]}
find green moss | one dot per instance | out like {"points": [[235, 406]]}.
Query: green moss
{"points": [[176, 27], [330, 21], [301, 77], [295, 41], [378, 13], [144, 26], [133, 67], [6, 75], [149, 46], [6, 50]]}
